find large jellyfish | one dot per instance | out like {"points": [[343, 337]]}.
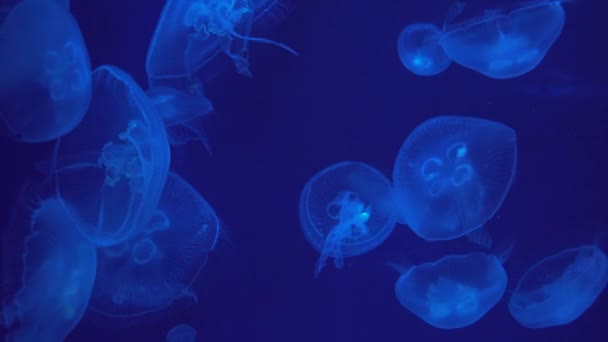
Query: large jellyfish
{"points": [[45, 85], [111, 169], [560, 288], [59, 267], [182, 114], [452, 174], [506, 44], [154, 268], [190, 33], [181, 333], [454, 291], [419, 49], [346, 210]]}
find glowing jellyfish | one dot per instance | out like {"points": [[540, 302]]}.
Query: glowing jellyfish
{"points": [[506, 45], [346, 210], [45, 85], [182, 114], [454, 291], [560, 288], [419, 50], [190, 34], [59, 268], [112, 168], [181, 333], [156, 267], [452, 174]]}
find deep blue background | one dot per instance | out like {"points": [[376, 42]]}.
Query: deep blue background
{"points": [[349, 98]]}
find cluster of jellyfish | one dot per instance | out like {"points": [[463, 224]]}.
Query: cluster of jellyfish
{"points": [[450, 177], [501, 44], [114, 231]]}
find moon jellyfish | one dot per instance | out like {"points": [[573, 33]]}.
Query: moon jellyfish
{"points": [[560, 288], [505, 45], [182, 114], [45, 86], [346, 210], [181, 333], [190, 34], [419, 50], [452, 174], [454, 291], [150, 271], [59, 267], [112, 168]]}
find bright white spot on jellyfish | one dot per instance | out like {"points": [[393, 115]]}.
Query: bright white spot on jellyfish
{"points": [[431, 168]]}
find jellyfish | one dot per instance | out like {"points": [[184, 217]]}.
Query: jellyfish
{"points": [[452, 174], [454, 291], [45, 86], [182, 114], [190, 34], [158, 265], [506, 44], [181, 333], [419, 49], [59, 267], [558, 289], [111, 169], [346, 210]]}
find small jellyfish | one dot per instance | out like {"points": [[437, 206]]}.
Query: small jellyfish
{"points": [[181, 333], [560, 288], [59, 267], [111, 169], [45, 86], [506, 45], [452, 174], [182, 114], [159, 264], [346, 210], [454, 291], [419, 50], [190, 34]]}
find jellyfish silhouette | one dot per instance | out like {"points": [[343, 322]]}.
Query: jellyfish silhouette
{"points": [[190, 34], [59, 267], [150, 271], [452, 174], [182, 114], [419, 49], [454, 291], [346, 210], [111, 169], [560, 288], [504, 44], [45, 86], [181, 333]]}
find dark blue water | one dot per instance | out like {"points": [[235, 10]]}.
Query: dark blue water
{"points": [[347, 97]]}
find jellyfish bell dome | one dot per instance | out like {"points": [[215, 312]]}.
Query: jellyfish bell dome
{"points": [[419, 49], [346, 209]]}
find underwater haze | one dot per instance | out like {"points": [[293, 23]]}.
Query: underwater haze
{"points": [[297, 171]]}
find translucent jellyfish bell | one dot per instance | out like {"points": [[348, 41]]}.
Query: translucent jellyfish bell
{"points": [[158, 266], [59, 267], [182, 114], [190, 33], [452, 174], [346, 210], [560, 288], [419, 50], [181, 333], [454, 291], [112, 168], [506, 45], [45, 86]]}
